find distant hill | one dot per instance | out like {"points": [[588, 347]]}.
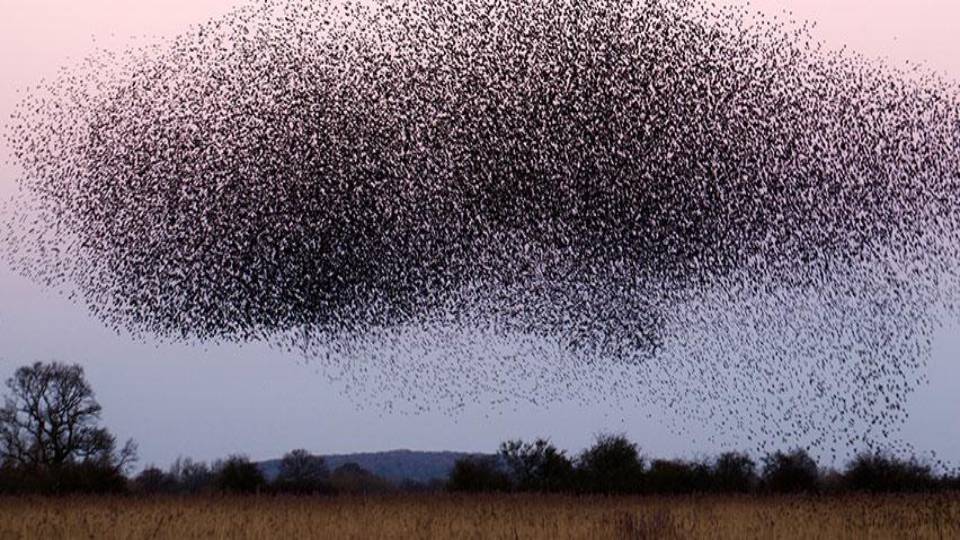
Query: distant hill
{"points": [[394, 465]]}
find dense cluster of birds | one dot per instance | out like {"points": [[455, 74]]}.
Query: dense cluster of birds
{"points": [[689, 205]]}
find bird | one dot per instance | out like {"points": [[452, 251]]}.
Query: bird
{"points": [[685, 205]]}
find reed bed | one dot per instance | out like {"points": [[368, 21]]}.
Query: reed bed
{"points": [[482, 516]]}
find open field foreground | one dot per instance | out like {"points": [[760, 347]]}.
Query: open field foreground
{"points": [[504, 516]]}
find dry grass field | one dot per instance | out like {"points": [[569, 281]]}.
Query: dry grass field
{"points": [[505, 516]]}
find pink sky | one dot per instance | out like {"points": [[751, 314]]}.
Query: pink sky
{"points": [[900, 30], [272, 399], [38, 35]]}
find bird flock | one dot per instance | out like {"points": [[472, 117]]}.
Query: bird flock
{"points": [[691, 206]]}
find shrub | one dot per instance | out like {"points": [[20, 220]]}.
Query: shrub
{"points": [[877, 472], [674, 476], [191, 477], [237, 474], [152, 480], [478, 474], [791, 472], [734, 472], [611, 465], [352, 478], [537, 466], [302, 473]]}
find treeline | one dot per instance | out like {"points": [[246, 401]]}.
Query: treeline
{"points": [[51, 442], [300, 473], [614, 465]]}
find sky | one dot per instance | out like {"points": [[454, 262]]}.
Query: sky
{"points": [[211, 401]]}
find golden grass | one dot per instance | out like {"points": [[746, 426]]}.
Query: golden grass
{"points": [[490, 516]]}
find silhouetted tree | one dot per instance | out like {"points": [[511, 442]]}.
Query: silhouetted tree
{"points": [[675, 476], [611, 465], [878, 472], [237, 474], [537, 466], [49, 432], [191, 476], [478, 474], [352, 478], [302, 472], [734, 472], [792, 472], [950, 482], [831, 482], [153, 480]]}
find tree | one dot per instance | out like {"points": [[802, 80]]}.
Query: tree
{"points": [[237, 474], [302, 472], [537, 466], [879, 472], [48, 424], [676, 476], [478, 474], [792, 472], [611, 465], [191, 476], [734, 472], [354, 479], [153, 480]]}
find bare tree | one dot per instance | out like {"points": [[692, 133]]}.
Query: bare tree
{"points": [[301, 471], [191, 476], [49, 420]]}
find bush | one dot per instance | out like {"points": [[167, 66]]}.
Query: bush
{"points": [[354, 479], [950, 482], [69, 478], [478, 474], [611, 465], [876, 472], [734, 472], [238, 475], [191, 477], [302, 473], [153, 480], [537, 466], [86, 477], [792, 472], [678, 477]]}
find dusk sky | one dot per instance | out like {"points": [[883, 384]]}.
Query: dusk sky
{"points": [[210, 401]]}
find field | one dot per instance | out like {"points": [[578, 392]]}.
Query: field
{"points": [[491, 516]]}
